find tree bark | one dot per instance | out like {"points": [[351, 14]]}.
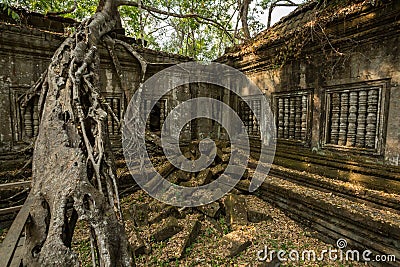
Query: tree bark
{"points": [[244, 13], [73, 170]]}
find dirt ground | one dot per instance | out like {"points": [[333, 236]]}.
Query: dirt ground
{"points": [[278, 233]]}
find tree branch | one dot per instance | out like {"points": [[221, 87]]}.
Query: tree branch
{"points": [[72, 9], [143, 62], [277, 3], [176, 15], [243, 14]]}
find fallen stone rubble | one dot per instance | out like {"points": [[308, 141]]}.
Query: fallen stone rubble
{"points": [[232, 230]]}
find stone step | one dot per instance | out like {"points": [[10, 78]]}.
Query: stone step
{"points": [[364, 227], [350, 190]]}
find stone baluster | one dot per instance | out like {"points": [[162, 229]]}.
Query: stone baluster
{"points": [[361, 119], [297, 132], [304, 116], [241, 113], [372, 110], [352, 128], [36, 117], [257, 110], [162, 112], [250, 120], [116, 109], [286, 119], [292, 117], [147, 106], [281, 115], [335, 107], [109, 116], [28, 123], [344, 113]]}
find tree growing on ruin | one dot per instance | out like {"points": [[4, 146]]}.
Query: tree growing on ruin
{"points": [[219, 24], [72, 162], [73, 172]]}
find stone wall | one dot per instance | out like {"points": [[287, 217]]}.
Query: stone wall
{"points": [[354, 54], [25, 52], [332, 72]]}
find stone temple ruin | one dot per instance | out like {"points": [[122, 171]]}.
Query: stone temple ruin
{"points": [[332, 73]]}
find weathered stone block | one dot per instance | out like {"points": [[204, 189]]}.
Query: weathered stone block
{"points": [[188, 184], [202, 194], [141, 249], [183, 176], [233, 243], [211, 210], [169, 211], [141, 214], [137, 245], [204, 177], [274, 263], [226, 150], [166, 229], [225, 157], [256, 216], [220, 154], [239, 156], [173, 178], [178, 243], [235, 170], [218, 169], [236, 210]]}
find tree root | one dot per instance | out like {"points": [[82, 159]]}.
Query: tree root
{"points": [[73, 163]]}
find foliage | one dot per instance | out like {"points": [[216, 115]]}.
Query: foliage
{"points": [[193, 37], [6, 6]]}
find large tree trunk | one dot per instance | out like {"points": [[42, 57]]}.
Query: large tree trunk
{"points": [[73, 170], [244, 14]]}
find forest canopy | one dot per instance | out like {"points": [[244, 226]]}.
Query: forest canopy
{"points": [[201, 29]]}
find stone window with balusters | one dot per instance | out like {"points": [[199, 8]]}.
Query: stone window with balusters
{"points": [[115, 102], [249, 111], [25, 120], [293, 116], [355, 117]]}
